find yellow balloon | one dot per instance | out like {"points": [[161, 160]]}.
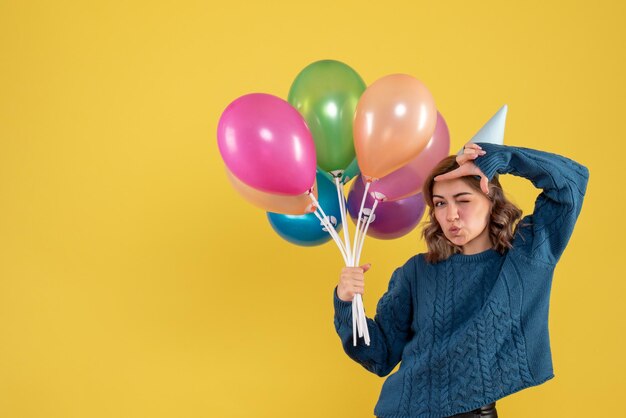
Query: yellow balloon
{"points": [[288, 205], [394, 120]]}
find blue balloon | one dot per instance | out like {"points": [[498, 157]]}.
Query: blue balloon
{"points": [[306, 230]]}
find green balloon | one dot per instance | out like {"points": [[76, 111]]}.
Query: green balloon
{"points": [[348, 174], [326, 94]]}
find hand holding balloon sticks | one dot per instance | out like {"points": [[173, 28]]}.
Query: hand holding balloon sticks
{"points": [[394, 122], [326, 94]]}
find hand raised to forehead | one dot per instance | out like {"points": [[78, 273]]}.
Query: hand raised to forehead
{"points": [[466, 169]]}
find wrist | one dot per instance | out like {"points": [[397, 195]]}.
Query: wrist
{"points": [[342, 297]]}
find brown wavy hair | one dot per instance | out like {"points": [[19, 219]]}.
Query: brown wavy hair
{"points": [[503, 219]]}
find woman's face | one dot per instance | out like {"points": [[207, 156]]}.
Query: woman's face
{"points": [[463, 214]]}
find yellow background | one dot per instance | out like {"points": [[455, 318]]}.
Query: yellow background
{"points": [[135, 282]]}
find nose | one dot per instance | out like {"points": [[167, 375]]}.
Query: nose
{"points": [[452, 213]]}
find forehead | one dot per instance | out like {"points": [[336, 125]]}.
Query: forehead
{"points": [[449, 188]]}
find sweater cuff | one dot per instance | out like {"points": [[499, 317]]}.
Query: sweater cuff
{"points": [[343, 309], [494, 159]]}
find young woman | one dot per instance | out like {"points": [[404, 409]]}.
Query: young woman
{"points": [[469, 319]]}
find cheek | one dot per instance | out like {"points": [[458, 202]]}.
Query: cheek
{"points": [[471, 212], [439, 216], [477, 215]]}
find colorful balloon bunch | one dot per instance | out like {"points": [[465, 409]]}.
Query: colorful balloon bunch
{"points": [[292, 158]]}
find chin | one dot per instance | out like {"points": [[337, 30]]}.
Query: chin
{"points": [[460, 241]]}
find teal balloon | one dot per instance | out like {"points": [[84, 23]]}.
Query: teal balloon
{"points": [[306, 230], [326, 94], [349, 173]]}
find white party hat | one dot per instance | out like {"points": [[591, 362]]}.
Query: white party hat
{"points": [[493, 131]]}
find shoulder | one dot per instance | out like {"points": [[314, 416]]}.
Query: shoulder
{"points": [[409, 266], [418, 265], [409, 270], [415, 261]]}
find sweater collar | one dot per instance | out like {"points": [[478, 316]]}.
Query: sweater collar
{"points": [[488, 254]]}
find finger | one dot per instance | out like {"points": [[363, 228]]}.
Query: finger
{"points": [[473, 149], [442, 177], [484, 184], [474, 152], [463, 158], [448, 176], [351, 278], [469, 156], [463, 170], [366, 267], [355, 273]]}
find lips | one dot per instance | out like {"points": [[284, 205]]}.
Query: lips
{"points": [[454, 230]]}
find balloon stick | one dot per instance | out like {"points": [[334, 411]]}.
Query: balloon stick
{"points": [[370, 219], [359, 321], [333, 233], [354, 326], [342, 208], [358, 223]]}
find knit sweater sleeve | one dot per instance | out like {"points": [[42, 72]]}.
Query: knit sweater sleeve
{"points": [[563, 183], [389, 331]]}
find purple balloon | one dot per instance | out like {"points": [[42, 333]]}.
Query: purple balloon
{"points": [[408, 179], [391, 219], [266, 143]]}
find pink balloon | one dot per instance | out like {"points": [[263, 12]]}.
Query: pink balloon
{"points": [[408, 179], [266, 144]]}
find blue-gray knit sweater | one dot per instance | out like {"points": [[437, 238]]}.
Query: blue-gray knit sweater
{"points": [[472, 329]]}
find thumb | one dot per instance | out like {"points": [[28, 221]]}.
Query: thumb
{"points": [[366, 267]]}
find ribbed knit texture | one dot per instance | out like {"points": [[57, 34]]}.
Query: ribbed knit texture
{"points": [[472, 329]]}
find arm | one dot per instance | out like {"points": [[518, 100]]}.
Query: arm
{"points": [[390, 330], [563, 183]]}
